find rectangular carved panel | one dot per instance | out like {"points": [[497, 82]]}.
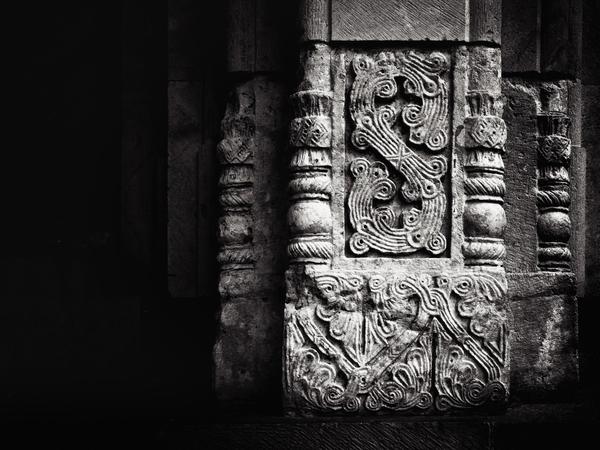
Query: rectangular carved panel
{"points": [[398, 157], [374, 20], [396, 294]]}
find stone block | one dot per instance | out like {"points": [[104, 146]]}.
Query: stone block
{"points": [[348, 435], [247, 354], [520, 114], [544, 359], [520, 35], [591, 143], [252, 237], [432, 20]]}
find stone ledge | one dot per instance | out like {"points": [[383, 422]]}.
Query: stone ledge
{"points": [[524, 286], [538, 424]]}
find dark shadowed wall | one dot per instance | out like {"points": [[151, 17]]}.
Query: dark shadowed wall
{"points": [[91, 326]]}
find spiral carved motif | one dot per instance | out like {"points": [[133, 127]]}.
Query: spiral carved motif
{"points": [[381, 228], [368, 343]]}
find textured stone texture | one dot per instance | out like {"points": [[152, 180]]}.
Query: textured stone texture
{"points": [[402, 316], [258, 33], [590, 305], [248, 350], [247, 363], [359, 20], [544, 358], [310, 187], [544, 362], [359, 436], [76, 342], [530, 174], [520, 111], [577, 174], [532, 426], [314, 23], [591, 142], [542, 36], [520, 35], [590, 73]]}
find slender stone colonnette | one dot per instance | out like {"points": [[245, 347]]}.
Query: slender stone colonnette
{"points": [[553, 197]]}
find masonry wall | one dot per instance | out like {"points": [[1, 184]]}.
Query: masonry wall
{"points": [[541, 53], [110, 286]]}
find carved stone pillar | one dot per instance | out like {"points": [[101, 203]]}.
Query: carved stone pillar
{"points": [[396, 294], [485, 136], [236, 196], [553, 197], [309, 215]]}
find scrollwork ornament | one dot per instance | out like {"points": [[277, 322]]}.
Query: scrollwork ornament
{"points": [[368, 342], [379, 228]]}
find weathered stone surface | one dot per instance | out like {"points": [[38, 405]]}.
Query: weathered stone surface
{"points": [[520, 35], [531, 426], [241, 35], [485, 21], [247, 363], [578, 190], [553, 190], [373, 233], [535, 284], [542, 36], [236, 182], [544, 335], [333, 436], [538, 161], [252, 236], [309, 214], [384, 332], [544, 361], [590, 73], [314, 20], [401, 315], [590, 304], [359, 20], [538, 200], [560, 37], [361, 214], [591, 142]]}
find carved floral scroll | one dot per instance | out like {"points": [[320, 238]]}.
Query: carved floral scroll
{"points": [[377, 228], [380, 333], [412, 315]]}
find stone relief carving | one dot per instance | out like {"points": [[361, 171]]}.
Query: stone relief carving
{"points": [[553, 197], [394, 335], [484, 217], [376, 227], [309, 215], [371, 342], [236, 156]]}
